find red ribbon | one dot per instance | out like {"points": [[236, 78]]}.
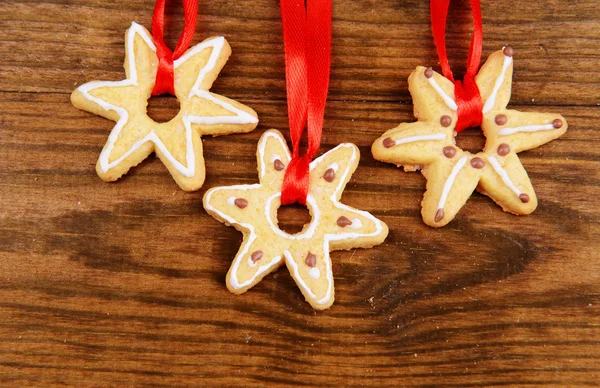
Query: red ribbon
{"points": [[466, 93], [307, 45], [164, 75]]}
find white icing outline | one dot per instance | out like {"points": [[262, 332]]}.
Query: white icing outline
{"points": [[307, 234], [431, 137], [504, 175], [450, 181], [188, 171], [491, 101], [447, 99], [526, 128]]}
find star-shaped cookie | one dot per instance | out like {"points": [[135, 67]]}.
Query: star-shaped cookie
{"points": [[252, 209], [177, 142], [452, 174]]}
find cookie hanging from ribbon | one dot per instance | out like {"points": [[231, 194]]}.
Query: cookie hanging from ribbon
{"points": [[445, 107], [292, 177], [152, 69]]}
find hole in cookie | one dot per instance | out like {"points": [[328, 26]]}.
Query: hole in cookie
{"points": [[292, 218], [471, 139], [162, 109]]}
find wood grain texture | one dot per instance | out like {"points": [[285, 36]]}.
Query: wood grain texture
{"points": [[123, 284]]}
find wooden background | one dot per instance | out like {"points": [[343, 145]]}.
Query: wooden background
{"points": [[123, 283]]}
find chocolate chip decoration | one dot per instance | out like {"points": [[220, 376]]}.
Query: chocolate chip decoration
{"points": [[449, 152], [501, 119], [278, 165], [311, 259], [439, 215], [241, 203], [508, 51], [343, 222], [256, 256], [428, 72], [477, 163], [557, 123], [445, 121], [524, 197], [329, 175], [503, 149], [388, 142]]}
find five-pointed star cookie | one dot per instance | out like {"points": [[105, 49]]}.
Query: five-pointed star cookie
{"points": [[252, 209], [452, 174], [177, 142]]}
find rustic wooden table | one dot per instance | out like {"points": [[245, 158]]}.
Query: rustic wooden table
{"points": [[123, 283]]}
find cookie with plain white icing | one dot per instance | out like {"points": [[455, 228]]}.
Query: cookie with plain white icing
{"points": [[452, 174], [177, 142], [252, 209]]}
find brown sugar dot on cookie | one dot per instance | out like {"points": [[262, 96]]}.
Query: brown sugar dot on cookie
{"points": [[388, 142], [439, 215], [449, 152], [477, 163], [256, 256], [278, 165], [501, 119], [240, 202], [557, 123], [428, 72], [508, 51], [524, 197], [311, 259], [503, 149], [329, 175], [343, 222], [445, 121]]}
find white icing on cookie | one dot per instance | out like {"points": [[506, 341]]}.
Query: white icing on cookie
{"points": [[275, 157], [447, 99], [410, 139], [504, 175], [314, 273], [450, 181], [231, 200], [189, 170], [334, 166], [356, 223], [491, 101], [526, 128]]}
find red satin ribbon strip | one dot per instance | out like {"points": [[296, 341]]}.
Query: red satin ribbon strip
{"points": [[164, 76], [307, 45], [466, 93]]}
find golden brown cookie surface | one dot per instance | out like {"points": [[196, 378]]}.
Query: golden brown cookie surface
{"points": [[452, 174], [177, 142], [252, 209]]}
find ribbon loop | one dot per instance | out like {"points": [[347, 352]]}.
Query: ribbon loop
{"points": [[164, 83], [466, 93], [307, 45]]}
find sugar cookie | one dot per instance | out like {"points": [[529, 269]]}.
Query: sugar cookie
{"points": [[177, 143], [452, 174], [252, 209]]}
